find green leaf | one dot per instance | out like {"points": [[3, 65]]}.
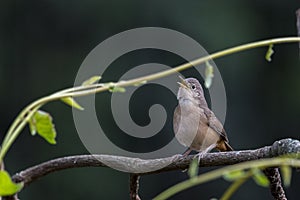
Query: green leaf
{"points": [[286, 175], [269, 53], [209, 74], [91, 80], [32, 126], [193, 169], [234, 175], [7, 187], [117, 89], [41, 122], [71, 102], [260, 178]]}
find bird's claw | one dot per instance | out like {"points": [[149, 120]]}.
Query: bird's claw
{"points": [[199, 156], [177, 157]]}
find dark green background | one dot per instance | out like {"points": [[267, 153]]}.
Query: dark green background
{"points": [[42, 45]]}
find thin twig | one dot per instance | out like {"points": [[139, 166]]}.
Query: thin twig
{"points": [[275, 183], [134, 186]]}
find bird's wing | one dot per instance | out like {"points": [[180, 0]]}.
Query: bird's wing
{"points": [[215, 124]]}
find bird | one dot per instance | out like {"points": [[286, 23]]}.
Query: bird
{"points": [[195, 125]]}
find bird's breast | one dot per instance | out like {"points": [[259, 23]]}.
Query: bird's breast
{"points": [[187, 119], [191, 127]]}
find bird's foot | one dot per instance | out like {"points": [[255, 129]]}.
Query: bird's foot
{"points": [[200, 155], [178, 157]]}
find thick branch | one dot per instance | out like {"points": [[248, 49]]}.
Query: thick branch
{"points": [[136, 165], [139, 167]]}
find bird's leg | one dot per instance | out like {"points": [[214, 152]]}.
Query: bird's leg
{"points": [[186, 152], [181, 156], [205, 151]]}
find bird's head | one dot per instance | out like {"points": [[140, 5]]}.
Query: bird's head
{"points": [[191, 89]]}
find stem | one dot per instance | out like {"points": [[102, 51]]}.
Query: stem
{"points": [[78, 88], [20, 122], [12, 137], [220, 172], [45, 100], [235, 185]]}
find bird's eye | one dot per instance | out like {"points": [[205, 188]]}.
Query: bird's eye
{"points": [[193, 87]]}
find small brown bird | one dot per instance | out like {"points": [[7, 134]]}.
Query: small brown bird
{"points": [[195, 125]]}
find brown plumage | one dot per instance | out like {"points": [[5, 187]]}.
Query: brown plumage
{"points": [[195, 125]]}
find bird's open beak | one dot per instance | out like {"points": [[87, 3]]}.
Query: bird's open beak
{"points": [[183, 83]]}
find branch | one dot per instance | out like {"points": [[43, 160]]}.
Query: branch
{"points": [[275, 183], [134, 187], [135, 165], [282, 147]]}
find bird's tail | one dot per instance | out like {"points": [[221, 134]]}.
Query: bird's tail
{"points": [[223, 145], [228, 147]]}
